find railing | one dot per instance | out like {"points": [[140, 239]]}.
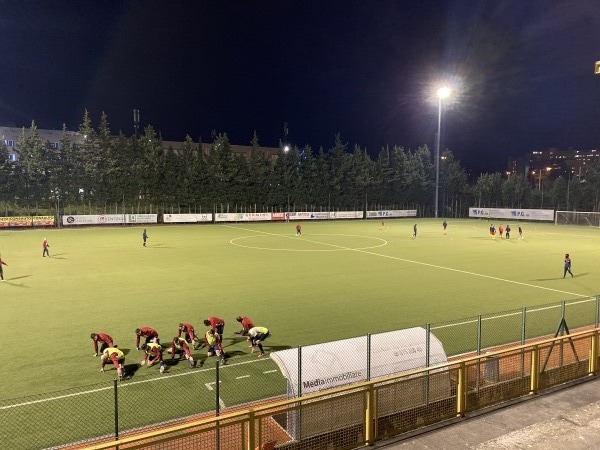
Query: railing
{"points": [[366, 412]]}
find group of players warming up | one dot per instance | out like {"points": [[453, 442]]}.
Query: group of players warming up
{"points": [[181, 346]]}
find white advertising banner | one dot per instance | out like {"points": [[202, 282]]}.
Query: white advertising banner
{"points": [[300, 215], [93, 219], [346, 215], [141, 218], [391, 213], [333, 364], [242, 217], [512, 214], [186, 218]]}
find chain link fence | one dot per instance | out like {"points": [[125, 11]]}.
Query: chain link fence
{"points": [[150, 400]]}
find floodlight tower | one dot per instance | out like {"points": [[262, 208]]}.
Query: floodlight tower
{"points": [[442, 93]]}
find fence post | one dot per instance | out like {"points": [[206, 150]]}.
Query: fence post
{"points": [[479, 339], [461, 390], [427, 359], [523, 316], [217, 407], [535, 370], [369, 357], [593, 364], [369, 416], [597, 309], [251, 430], [116, 397], [299, 423]]}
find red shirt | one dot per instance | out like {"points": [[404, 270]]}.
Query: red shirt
{"points": [[44, 244], [102, 337], [247, 323], [146, 332], [215, 322], [187, 328], [179, 344]]}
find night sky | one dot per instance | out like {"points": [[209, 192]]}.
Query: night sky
{"points": [[522, 71]]}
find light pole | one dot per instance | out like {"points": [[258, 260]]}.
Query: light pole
{"points": [[442, 93]]}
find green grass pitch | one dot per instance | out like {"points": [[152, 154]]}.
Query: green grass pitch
{"points": [[338, 280]]}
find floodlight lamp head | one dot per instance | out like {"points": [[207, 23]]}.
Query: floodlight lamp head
{"points": [[444, 92]]}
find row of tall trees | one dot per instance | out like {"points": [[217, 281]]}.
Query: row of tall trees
{"points": [[104, 173]]}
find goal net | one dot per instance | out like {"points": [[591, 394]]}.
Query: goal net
{"points": [[590, 219]]}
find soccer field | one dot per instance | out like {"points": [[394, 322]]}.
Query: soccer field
{"points": [[338, 280]]}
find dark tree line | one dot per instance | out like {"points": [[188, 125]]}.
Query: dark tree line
{"points": [[105, 174]]}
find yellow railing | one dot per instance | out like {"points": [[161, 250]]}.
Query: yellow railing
{"points": [[359, 414]]}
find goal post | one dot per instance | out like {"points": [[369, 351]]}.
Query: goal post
{"points": [[585, 218]]}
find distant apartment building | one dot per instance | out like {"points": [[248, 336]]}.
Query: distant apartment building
{"points": [[540, 165], [10, 136]]}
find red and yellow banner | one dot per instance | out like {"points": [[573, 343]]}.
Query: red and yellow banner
{"points": [[4, 222], [20, 221], [43, 221]]}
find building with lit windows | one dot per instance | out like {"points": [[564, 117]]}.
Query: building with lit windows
{"points": [[542, 164]]}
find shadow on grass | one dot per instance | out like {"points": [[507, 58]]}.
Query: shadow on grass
{"points": [[560, 278], [10, 281], [59, 256], [131, 369]]}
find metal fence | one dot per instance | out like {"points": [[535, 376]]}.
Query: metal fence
{"points": [[358, 415], [178, 397]]}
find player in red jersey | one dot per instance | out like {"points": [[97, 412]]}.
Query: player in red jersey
{"points": [[106, 340], [217, 324], [180, 346], [189, 334], [150, 334], [246, 325]]}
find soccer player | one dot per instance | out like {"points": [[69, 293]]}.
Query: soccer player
{"points": [[188, 333], [298, 230], [520, 232], [507, 231], [492, 231], [445, 225], [106, 340], [45, 247], [144, 237], [415, 230], [567, 266], [501, 231], [217, 324], [256, 335], [117, 357], [2, 263], [180, 346], [153, 354], [213, 342], [150, 334], [246, 325]]}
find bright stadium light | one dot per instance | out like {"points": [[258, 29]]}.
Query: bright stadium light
{"points": [[442, 93]]}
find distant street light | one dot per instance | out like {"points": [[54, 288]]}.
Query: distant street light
{"points": [[442, 93]]}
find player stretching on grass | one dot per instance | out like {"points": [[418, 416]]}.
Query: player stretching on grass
{"points": [[150, 334], [153, 354], [217, 324], [189, 334], [106, 340], [246, 325], [180, 347], [117, 357], [213, 342], [256, 335]]}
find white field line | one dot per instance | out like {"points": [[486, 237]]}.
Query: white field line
{"points": [[435, 266], [243, 376], [270, 371], [123, 385]]}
